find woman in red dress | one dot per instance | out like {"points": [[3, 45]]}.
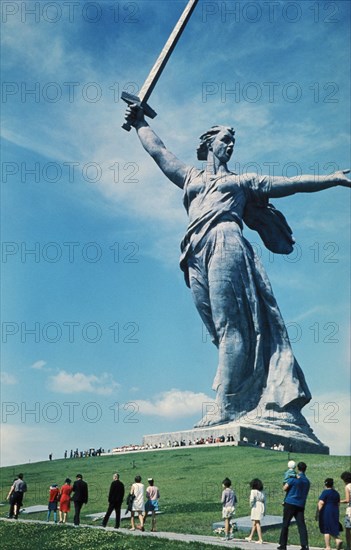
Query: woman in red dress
{"points": [[65, 500]]}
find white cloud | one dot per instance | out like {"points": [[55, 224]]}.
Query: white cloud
{"points": [[38, 365], [174, 404], [7, 379], [65, 382]]}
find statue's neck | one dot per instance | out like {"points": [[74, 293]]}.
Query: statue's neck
{"points": [[214, 167]]}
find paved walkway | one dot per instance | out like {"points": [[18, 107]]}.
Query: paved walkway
{"points": [[214, 541]]}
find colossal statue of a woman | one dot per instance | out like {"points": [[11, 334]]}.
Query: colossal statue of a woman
{"points": [[257, 370]]}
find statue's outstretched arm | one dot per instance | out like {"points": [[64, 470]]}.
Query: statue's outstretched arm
{"points": [[171, 166], [282, 187]]}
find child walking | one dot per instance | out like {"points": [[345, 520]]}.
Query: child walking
{"points": [[228, 502], [54, 497]]}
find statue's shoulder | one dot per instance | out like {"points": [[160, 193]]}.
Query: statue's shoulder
{"points": [[193, 174], [248, 179]]}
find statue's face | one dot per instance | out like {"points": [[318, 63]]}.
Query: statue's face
{"points": [[223, 146]]}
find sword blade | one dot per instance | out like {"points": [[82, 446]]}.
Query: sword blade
{"points": [[154, 75]]}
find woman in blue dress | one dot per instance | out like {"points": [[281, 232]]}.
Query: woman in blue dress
{"points": [[328, 506]]}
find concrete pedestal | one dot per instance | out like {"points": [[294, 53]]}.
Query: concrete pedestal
{"points": [[294, 438]]}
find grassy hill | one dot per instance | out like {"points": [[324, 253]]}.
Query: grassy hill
{"points": [[190, 484]]}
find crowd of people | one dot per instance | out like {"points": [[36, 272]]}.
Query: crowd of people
{"points": [[210, 440], [173, 443], [82, 454], [60, 498], [296, 487], [141, 503]]}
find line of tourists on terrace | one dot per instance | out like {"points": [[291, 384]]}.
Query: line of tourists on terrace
{"points": [[210, 440]]}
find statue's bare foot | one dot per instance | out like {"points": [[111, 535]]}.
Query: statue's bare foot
{"points": [[214, 419]]}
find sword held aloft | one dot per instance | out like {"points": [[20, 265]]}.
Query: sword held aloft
{"points": [[155, 73]]}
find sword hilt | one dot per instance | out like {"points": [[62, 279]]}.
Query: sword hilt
{"points": [[131, 99]]}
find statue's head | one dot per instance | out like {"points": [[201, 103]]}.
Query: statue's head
{"points": [[223, 133]]}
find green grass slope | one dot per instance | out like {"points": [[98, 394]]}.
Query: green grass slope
{"points": [[190, 484]]}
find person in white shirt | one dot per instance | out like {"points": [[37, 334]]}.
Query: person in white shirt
{"points": [[137, 489]]}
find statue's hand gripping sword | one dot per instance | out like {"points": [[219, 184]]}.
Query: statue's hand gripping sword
{"points": [[155, 73]]}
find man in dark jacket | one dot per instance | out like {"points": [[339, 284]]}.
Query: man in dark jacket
{"points": [[115, 499], [80, 497]]}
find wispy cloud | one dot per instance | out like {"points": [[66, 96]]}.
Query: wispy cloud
{"points": [[38, 365], [328, 225], [65, 382], [317, 310], [8, 379], [83, 131]]}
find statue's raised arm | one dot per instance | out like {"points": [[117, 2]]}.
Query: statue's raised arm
{"points": [[171, 166]]}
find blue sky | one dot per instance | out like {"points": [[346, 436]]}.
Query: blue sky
{"points": [[101, 342]]}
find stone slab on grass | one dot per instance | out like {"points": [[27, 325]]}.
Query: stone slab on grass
{"points": [[124, 515], [245, 523], [34, 509]]}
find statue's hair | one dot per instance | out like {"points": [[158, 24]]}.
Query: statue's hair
{"points": [[207, 138]]}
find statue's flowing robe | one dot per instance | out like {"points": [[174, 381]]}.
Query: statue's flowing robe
{"points": [[232, 292]]}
